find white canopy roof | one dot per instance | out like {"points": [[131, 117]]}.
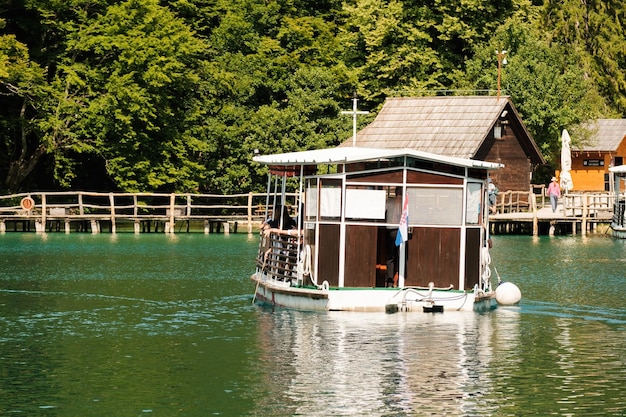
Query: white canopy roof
{"points": [[620, 169], [343, 155]]}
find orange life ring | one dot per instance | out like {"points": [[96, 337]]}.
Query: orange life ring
{"points": [[27, 203]]}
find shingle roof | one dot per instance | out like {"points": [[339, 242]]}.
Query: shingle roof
{"points": [[454, 126], [606, 135]]}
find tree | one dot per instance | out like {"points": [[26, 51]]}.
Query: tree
{"points": [[544, 80], [597, 27], [130, 82], [280, 78], [22, 95]]}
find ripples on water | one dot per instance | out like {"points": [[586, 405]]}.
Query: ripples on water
{"points": [[158, 325]]}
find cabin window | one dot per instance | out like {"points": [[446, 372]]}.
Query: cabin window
{"points": [[474, 198], [311, 201], [330, 199], [435, 206], [365, 203]]}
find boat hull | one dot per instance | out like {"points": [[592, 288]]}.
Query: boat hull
{"points": [[281, 294], [618, 231]]}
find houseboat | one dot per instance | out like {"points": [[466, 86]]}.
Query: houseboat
{"points": [[377, 230], [618, 223]]}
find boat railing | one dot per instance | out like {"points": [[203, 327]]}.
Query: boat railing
{"points": [[619, 213], [278, 256]]}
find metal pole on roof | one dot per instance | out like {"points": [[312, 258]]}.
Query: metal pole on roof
{"points": [[354, 113], [501, 61]]}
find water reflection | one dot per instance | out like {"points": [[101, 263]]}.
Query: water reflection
{"points": [[377, 364]]}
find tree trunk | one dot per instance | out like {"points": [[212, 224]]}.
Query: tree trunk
{"points": [[24, 165]]}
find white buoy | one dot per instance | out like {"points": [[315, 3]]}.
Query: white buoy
{"points": [[508, 294]]}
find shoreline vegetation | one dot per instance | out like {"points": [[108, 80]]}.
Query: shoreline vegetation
{"points": [[176, 96]]}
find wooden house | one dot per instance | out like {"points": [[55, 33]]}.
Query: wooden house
{"points": [[605, 148], [484, 128]]}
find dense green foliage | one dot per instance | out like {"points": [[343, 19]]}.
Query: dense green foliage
{"points": [[142, 95]]}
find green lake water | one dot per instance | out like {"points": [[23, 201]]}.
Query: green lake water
{"points": [[160, 325]]}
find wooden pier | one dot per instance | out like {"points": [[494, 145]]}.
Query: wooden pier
{"points": [[519, 212], [516, 212], [133, 212]]}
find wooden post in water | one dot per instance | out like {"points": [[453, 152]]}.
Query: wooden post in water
{"points": [[170, 229], [250, 213], [112, 202], [41, 227], [533, 205], [583, 227]]}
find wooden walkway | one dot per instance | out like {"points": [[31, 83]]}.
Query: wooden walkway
{"points": [[529, 213], [517, 212], [134, 212]]}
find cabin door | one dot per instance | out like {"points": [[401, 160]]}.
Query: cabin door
{"points": [[473, 245], [328, 259], [433, 255], [361, 250]]}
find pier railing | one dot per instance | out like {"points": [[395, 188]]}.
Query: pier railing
{"points": [[588, 204], [514, 201], [575, 204], [534, 206], [167, 209]]}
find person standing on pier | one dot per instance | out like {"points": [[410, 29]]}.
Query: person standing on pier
{"points": [[554, 191]]}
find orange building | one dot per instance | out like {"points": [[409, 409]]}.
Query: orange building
{"points": [[591, 162]]}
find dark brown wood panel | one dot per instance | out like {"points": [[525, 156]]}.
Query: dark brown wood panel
{"points": [[383, 178], [361, 244], [433, 256], [415, 177], [508, 151], [328, 265], [472, 257]]}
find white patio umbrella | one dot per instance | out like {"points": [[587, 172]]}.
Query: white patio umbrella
{"points": [[566, 162]]}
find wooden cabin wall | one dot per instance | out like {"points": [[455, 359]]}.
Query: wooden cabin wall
{"points": [[328, 264], [361, 249], [516, 172], [433, 256], [473, 247]]}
